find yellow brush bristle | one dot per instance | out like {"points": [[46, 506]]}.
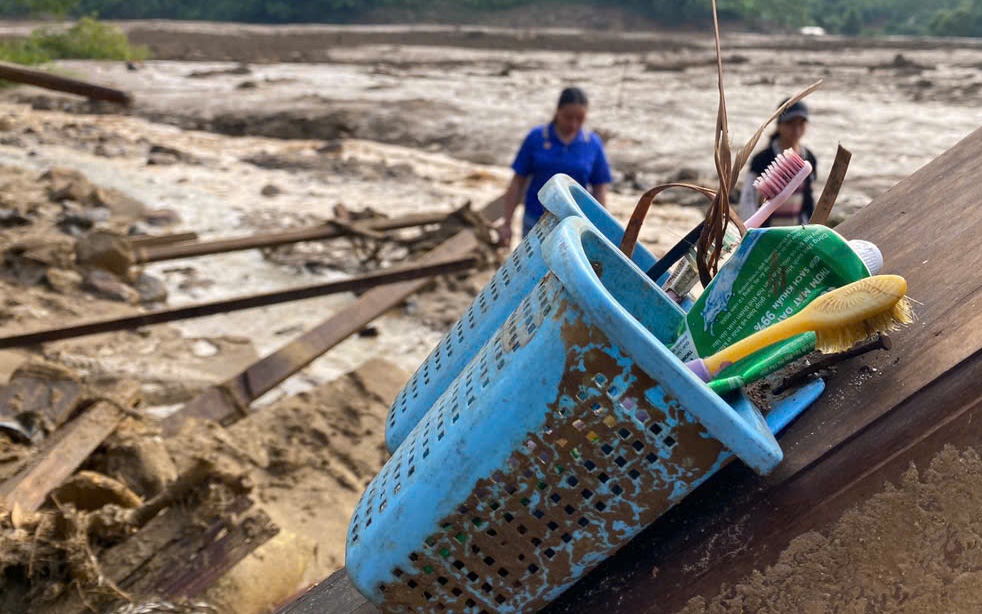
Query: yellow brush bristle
{"points": [[842, 338]]}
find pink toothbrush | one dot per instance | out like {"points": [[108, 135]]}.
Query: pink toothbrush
{"points": [[779, 181]]}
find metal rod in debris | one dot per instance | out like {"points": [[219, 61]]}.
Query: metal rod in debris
{"points": [[325, 231], [39, 78], [881, 341], [361, 282]]}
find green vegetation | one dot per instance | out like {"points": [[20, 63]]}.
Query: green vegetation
{"points": [[851, 17], [87, 39]]}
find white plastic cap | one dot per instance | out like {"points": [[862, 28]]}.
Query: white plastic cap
{"points": [[869, 254]]}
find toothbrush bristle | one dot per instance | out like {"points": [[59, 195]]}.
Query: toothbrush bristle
{"points": [[779, 174]]}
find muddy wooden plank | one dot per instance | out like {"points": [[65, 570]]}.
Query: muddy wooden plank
{"points": [[145, 253], [335, 595], [68, 449], [867, 416], [157, 560], [39, 78], [145, 241], [230, 400], [207, 562]]}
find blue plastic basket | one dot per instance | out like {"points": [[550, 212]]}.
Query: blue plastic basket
{"points": [[561, 197], [572, 429]]}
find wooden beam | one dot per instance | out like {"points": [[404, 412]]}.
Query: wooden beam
{"points": [[335, 594], [155, 253], [147, 318], [67, 450], [158, 240], [39, 78]]}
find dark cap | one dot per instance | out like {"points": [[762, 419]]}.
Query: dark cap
{"points": [[798, 109], [572, 95]]}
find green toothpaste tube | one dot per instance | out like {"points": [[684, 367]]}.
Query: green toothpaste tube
{"points": [[774, 273]]}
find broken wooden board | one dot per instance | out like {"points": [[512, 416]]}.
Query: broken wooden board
{"points": [[146, 253], [334, 594], [68, 449], [175, 555], [47, 80], [206, 560]]}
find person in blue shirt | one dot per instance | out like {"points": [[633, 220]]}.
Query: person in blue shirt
{"points": [[561, 146]]}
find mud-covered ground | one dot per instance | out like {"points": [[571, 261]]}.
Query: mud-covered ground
{"points": [[241, 129]]}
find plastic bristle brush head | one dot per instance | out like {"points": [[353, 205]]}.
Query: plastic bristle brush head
{"points": [[860, 310], [781, 173], [779, 181]]}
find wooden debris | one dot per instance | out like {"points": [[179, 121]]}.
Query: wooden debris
{"points": [[39, 398], [221, 549], [158, 240], [67, 450], [144, 254], [831, 190], [230, 400], [38, 78]]}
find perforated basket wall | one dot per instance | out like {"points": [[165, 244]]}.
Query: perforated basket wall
{"points": [[552, 449], [562, 198]]}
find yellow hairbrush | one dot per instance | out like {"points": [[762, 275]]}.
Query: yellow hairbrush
{"points": [[840, 318]]}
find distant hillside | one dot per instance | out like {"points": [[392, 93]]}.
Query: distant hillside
{"points": [[850, 17]]}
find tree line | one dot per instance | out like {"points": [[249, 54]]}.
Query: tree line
{"points": [[850, 17]]}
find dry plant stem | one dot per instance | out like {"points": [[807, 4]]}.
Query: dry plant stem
{"points": [[633, 229], [709, 247], [714, 227], [719, 216]]}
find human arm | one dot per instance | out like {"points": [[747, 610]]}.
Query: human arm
{"points": [[513, 196], [599, 192], [600, 176], [749, 199], [524, 166]]}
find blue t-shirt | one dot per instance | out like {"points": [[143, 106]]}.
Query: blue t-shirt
{"points": [[543, 154]]}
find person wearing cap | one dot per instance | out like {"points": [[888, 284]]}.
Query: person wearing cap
{"points": [[561, 146], [791, 125]]}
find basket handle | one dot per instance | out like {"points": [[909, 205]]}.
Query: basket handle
{"points": [[633, 229]]}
